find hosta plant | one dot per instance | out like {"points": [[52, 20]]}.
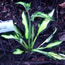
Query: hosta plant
{"points": [[28, 40]]}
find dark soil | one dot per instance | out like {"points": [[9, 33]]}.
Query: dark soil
{"points": [[9, 10]]}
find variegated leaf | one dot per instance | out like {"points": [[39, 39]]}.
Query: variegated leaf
{"points": [[53, 44], [18, 51], [25, 23], [49, 38], [40, 14], [45, 23], [52, 55], [26, 5]]}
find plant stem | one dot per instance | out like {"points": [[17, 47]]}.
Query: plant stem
{"points": [[41, 44], [23, 43], [39, 51], [29, 40], [34, 40]]}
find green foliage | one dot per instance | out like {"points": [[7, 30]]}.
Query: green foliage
{"points": [[51, 45], [26, 5], [18, 51], [53, 55], [24, 21], [10, 36], [40, 14], [45, 23], [30, 33], [49, 38]]}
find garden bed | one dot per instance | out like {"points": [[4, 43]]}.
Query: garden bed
{"points": [[11, 11]]}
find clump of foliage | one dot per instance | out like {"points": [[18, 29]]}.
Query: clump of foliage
{"points": [[30, 35]]}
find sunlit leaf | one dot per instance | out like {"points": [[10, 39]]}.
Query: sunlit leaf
{"points": [[49, 38], [18, 51], [63, 55], [40, 14], [17, 31], [39, 51], [10, 36], [52, 55], [53, 44], [16, 37], [50, 45], [42, 27], [45, 23], [26, 5], [25, 23], [55, 56]]}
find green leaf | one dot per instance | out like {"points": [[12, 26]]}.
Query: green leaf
{"points": [[50, 45], [40, 14], [15, 36], [10, 36], [38, 25], [39, 51], [26, 5], [45, 23], [55, 56], [63, 55], [24, 21], [18, 51], [17, 31], [33, 33], [49, 38], [23, 43], [52, 55], [53, 44], [42, 27]]}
